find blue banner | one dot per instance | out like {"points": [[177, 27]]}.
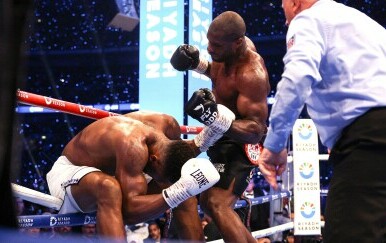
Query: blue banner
{"points": [[200, 17], [72, 219], [56, 220], [161, 32]]}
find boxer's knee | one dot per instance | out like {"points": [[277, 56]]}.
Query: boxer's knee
{"points": [[217, 200], [109, 191]]}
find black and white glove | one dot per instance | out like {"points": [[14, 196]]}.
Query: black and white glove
{"points": [[218, 118], [187, 57], [203, 107]]}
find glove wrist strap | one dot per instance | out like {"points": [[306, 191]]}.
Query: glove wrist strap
{"points": [[202, 66], [223, 121], [175, 194], [206, 138]]}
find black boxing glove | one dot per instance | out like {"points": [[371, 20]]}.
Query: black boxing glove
{"points": [[187, 57], [203, 107]]}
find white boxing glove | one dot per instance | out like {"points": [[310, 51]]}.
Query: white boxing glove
{"points": [[197, 175]]}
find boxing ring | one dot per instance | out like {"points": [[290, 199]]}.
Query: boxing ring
{"points": [[54, 220]]}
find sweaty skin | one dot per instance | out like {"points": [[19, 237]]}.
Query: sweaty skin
{"points": [[240, 82], [124, 148], [242, 85]]}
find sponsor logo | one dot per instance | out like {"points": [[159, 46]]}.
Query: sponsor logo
{"points": [[86, 109], [89, 219], [191, 129], [308, 226], [57, 221], [291, 42], [304, 131], [307, 210], [200, 106], [200, 178], [208, 117], [22, 94], [69, 182], [25, 222], [307, 186], [306, 170], [253, 152], [50, 101], [53, 221]]}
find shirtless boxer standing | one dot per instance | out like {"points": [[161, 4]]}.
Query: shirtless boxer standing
{"points": [[240, 85]]}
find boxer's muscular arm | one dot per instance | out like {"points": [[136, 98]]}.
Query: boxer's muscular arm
{"points": [[132, 157], [163, 122], [252, 107], [137, 206]]}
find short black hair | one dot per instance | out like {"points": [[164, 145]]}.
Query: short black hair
{"points": [[230, 24], [176, 154]]}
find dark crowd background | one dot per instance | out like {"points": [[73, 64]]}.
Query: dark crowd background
{"points": [[72, 55]]}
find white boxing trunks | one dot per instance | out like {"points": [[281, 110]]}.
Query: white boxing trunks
{"points": [[60, 178]]}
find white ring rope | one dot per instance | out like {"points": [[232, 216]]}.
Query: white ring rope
{"points": [[269, 231], [36, 197], [266, 232]]}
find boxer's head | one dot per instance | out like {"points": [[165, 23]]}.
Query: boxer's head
{"points": [[226, 34], [174, 155]]}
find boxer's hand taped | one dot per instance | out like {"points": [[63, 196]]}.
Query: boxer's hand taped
{"points": [[197, 175]]}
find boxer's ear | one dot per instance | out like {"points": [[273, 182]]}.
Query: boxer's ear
{"points": [[153, 158], [239, 40]]}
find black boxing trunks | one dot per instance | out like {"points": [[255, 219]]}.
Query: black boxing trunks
{"points": [[231, 161]]}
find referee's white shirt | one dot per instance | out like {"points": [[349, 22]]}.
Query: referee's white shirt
{"points": [[336, 65]]}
